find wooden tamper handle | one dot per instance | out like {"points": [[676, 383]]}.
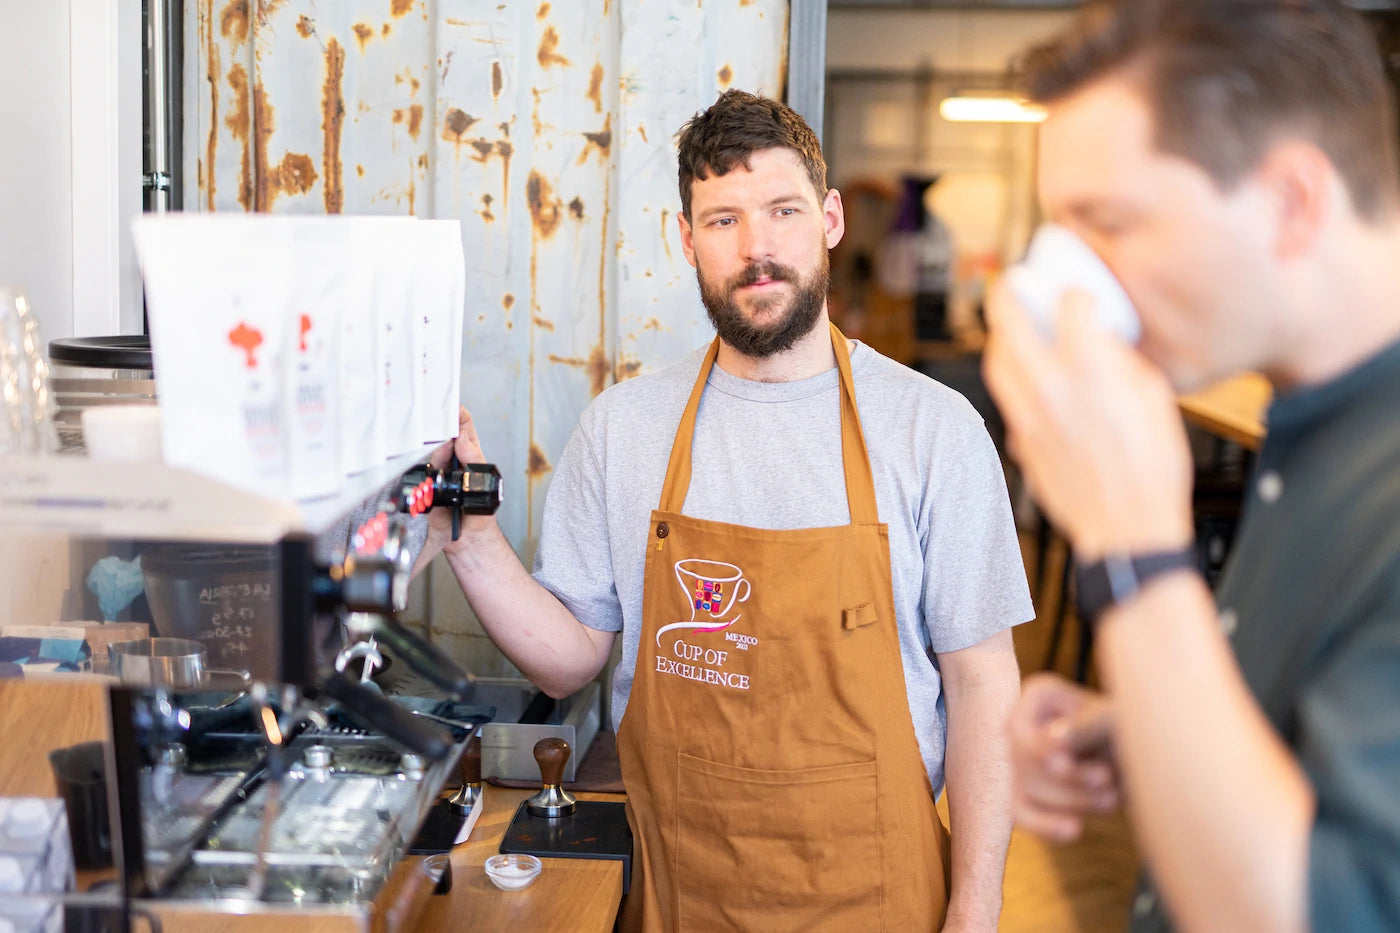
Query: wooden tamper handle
{"points": [[552, 801], [552, 754], [469, 767]]}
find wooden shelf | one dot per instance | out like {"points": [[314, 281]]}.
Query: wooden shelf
{"points": [[1233, 409]]}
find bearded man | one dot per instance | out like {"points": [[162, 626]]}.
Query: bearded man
{"points": [[809, 553]]}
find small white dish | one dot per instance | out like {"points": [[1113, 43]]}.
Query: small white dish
{"points": [[513, 872]]}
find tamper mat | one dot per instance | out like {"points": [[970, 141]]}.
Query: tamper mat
{"points": [[598, 829]]}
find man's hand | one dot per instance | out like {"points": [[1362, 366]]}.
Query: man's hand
{"points": [[1061, 757], [468, 450], [1095, 428]]}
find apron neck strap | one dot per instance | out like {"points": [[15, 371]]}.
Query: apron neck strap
{"points": [[860, 480]]}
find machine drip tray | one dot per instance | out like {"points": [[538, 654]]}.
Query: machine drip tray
{"points": [[598, 829]]}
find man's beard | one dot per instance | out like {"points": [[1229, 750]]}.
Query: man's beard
{"points": [[762, 341]]}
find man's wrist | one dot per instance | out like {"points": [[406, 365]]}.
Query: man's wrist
{"points": [[1093, 544], [1119, 578], [472, 541], [972, 918]]}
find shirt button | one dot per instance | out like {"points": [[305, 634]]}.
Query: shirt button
{"points": [[1229, 621], [1270, 487], [662, 530], [1144, 904]]}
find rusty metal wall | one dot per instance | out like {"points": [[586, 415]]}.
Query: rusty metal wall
{"points": [[547, 128]]}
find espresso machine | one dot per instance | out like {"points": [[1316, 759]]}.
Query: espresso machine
{"points": [[257, 773]]}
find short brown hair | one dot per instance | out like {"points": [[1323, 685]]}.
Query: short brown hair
{"points": [[1225, 79], [734, 128]]}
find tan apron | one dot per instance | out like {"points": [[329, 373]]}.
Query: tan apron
{"points": [[774, 780]]}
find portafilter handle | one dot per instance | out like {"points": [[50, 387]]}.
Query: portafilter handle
{"points": [[469, 767], [552, 800]]}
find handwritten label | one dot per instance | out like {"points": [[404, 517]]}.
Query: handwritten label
{"points": [[235, 623]]}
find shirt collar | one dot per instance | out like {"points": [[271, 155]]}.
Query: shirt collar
{"points": [[1297, 410]]}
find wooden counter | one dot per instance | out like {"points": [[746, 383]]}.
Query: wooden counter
{"points": [[1233, 409], [579, 895]]}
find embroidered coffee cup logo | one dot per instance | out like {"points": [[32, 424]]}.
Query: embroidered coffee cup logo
{"points": [[714, 589]]}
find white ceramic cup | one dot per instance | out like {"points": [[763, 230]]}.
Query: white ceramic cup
{"points": [[1058, 262]]}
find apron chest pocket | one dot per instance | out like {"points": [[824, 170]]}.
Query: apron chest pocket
{"points": [[777, 850]]}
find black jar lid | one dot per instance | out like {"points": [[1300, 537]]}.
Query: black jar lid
{"points": [[117, 352]]}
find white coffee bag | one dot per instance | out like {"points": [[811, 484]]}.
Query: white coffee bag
{"points": [[319, 297], [217, 298]]}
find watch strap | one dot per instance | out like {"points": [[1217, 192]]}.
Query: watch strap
{"points": [[1116, 578]]}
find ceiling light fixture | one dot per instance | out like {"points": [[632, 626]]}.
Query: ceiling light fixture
{"points": [[1000, 108]]}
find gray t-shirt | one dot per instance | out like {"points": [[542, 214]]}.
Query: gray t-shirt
{"points": [[768, 455]]}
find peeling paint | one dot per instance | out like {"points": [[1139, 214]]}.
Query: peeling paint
{"points": [[306, 27], [544, 207], [496, 80], [595, 87], [233, 24], [626, 369], [263, 124], [401, 7], [485, 211], [539, 463], [239, 122], [332, 121], [206, 13], [414, 116], [457, 123], [295, 174], [598, 370], [266, 9], [363, 33], [602, 140], [726, 76], [507, 301], [576, 208], [548, 43]]}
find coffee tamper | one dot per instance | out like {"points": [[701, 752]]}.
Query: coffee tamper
{"points": [[552, 800], [469, 765]]}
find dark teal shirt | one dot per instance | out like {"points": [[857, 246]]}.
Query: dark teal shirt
{"points": [[1311, 600]]}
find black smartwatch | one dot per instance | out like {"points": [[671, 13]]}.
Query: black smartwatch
{"points": [[1118, 577]]}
